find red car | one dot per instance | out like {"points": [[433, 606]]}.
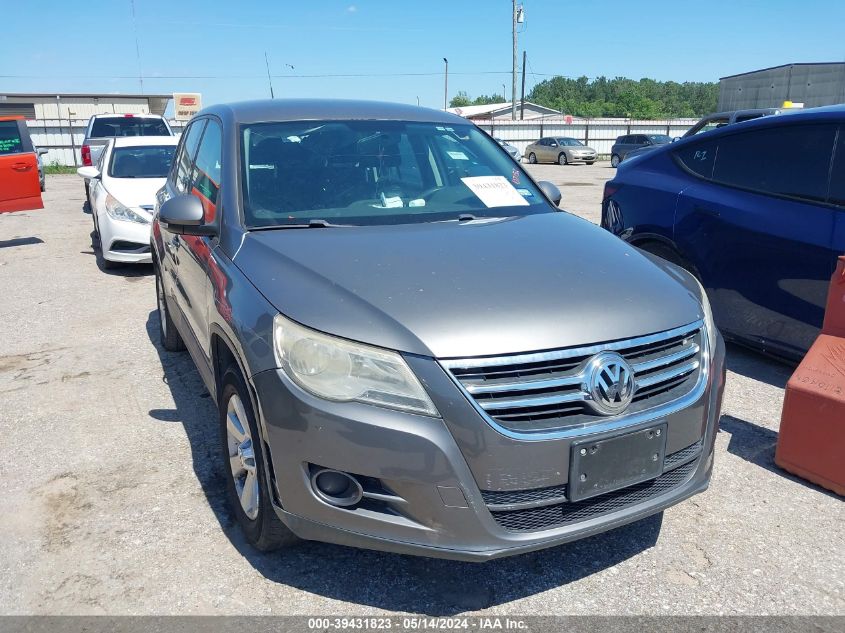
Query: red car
{"points": [[20, 187]]}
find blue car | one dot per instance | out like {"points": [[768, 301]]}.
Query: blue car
{"points": [[756, 211]]}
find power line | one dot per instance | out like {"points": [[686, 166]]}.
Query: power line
{"points": [[149, 77]]}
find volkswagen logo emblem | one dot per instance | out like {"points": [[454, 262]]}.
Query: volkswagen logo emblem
{"points": [[610, 383]]}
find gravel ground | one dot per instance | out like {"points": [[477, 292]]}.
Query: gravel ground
{"points": [[112, 503]]}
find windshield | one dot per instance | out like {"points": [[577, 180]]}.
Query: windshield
{"points": [[149, 161], [128, 126], [570, 142], [659, 139], [378, 172]]}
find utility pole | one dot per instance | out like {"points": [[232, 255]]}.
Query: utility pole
{"points": [[269, 78], [513, 70], [446, 85], [522, 101]]}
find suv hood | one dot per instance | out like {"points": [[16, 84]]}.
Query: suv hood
{"points": [[475, 288]]}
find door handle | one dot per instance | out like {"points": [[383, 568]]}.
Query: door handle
{"points": [[21, 166]]}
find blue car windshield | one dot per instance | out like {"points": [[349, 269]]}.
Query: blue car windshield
{"points": [[378, 172]]}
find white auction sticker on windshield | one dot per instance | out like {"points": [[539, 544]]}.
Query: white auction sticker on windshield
{"points": [[495, 191]]}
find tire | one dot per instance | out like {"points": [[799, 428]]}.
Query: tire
{"points": [[615, 160], [170, 338], [532, 158], [96, 239], [110, 265], [562, 160], [590, 162], [87, 192], [43, 186], [241, 440]]}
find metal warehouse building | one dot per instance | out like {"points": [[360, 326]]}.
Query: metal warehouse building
{"points": [[811, 84], [58, 121]]}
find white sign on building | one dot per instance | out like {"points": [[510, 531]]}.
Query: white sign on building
{"points": [[186, 105]]}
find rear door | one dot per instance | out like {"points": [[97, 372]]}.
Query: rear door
{"points": [[20, 188], [759, 232]]}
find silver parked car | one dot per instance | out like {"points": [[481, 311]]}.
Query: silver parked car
{"points": [[411, 349], [560, 150], [513, 150]]}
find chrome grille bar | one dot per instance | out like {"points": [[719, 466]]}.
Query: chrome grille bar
{"points": [[548, 390]]}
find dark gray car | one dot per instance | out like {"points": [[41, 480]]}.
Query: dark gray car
{"points": [[628, 143], [411, 348]]}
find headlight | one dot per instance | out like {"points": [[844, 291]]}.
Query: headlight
{"points": [[344, 371], [119, 211], [709, 322]]}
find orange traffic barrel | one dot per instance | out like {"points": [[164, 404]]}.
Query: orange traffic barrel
{"points": [[834, 314], [811, 441]]}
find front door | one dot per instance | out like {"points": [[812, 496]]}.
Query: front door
{"points": [[759, 233], [20, 187]]}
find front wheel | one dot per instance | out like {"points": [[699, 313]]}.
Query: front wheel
{"points": [[561, 160], [532, 158], [170, 338], [590, 162], [243, 464], [615, 160]]}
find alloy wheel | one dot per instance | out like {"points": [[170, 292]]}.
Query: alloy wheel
{"points": [[242, 456]]}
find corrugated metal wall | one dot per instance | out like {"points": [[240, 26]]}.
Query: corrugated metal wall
{"points": [[811, 84], [600, 134]]}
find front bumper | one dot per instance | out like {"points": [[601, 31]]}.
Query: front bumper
{"points": [[434, 469], [585, 158], [127, 242]]}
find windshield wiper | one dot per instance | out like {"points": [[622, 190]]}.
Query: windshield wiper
{"points": [[312, 224]]}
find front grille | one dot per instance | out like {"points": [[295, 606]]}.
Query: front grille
{"points": [[129, 247], [546, 391], [501, 499], [559, 515]]}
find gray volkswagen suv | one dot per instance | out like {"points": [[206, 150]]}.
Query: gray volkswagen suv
{"points": [[411, 348]]}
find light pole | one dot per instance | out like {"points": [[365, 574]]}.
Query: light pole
{"points": [[446, 84], [513, 72], [504, 92]]}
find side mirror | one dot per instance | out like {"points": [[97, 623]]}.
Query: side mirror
{"points": [[551, 191], [41, 151], [676, 139], [183, 214], [552, 144], [88, 172]]}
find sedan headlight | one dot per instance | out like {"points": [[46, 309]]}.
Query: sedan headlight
{"points": [[118, 211], [709, 322], [344, 371]]}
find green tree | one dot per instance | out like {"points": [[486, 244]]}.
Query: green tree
{"points": [[623, 97], [460, 100]]}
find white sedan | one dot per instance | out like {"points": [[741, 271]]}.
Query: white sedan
{"points": [[122, 195]]}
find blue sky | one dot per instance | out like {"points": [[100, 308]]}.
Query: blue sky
{"points": [[217, 47]]}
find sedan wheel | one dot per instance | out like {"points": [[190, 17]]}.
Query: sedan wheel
{"points": [[532, 158], [614, 161], [242, 457], [561, 160]]}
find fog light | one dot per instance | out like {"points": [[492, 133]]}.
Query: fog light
{"points": [[336, 488]]}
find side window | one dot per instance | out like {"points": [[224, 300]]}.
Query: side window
{"points": [[764, 160], [543, 142], [184, 160], [10, 138], [207, 168], [640, 140], [837, 176], [699, 158]]}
